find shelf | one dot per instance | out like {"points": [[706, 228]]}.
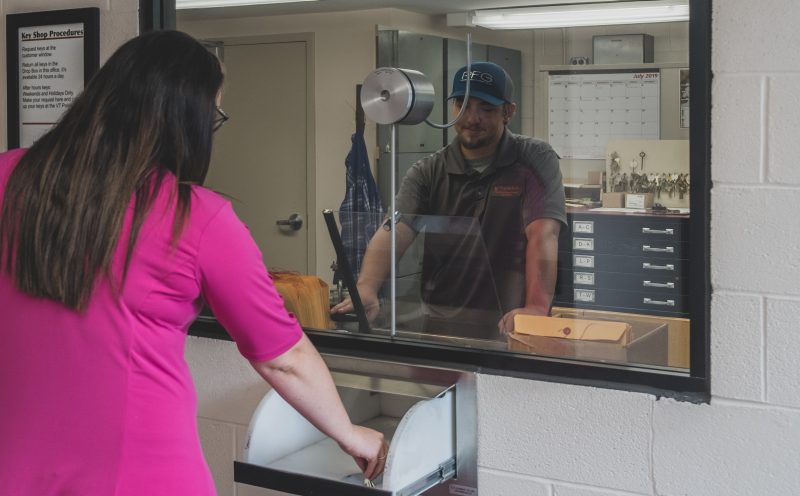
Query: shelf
{"points": [[614, 67]]}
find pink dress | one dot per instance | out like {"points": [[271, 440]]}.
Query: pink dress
{"points": [[102, 403]]}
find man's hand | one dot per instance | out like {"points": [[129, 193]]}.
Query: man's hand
{"points": [[506, 324], [370, 301]]}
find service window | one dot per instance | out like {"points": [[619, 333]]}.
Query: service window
{"points": [[624, 106]]}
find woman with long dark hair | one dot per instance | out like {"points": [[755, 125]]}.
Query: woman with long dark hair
{"points": [[109, 246]]}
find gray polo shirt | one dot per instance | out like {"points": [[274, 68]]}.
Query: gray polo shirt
{"points": [[521, 185]]}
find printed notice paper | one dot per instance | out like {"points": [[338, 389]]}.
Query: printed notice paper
{"points": [[50, 76]]}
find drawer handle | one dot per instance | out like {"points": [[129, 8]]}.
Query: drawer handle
{"points": [[649, 266], [653, 249], [647, 230], [667, 303], [649, 284]]}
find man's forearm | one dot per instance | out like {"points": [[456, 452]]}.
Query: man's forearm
{"points": [[376, 265], [541, 264]]}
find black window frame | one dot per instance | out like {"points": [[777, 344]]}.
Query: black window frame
{"points": [[160, 14]]}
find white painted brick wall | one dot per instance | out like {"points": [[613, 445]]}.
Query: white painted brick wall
{"points": [[505, 484], [726, 448], [755, 37], [783, 126], [783, 353], [738, 371], [754, 239], [560, 489], [569, 433], [738, 99]]}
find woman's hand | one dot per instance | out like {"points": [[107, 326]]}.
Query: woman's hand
{"points": [[368, 449]]}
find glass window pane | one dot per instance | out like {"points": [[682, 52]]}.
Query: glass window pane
{"points": [[612, 101]]}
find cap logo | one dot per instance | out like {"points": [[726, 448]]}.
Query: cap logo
{"points": [[482, 77]]}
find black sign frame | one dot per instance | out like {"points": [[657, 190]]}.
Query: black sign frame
{"points": [[89, 17]]}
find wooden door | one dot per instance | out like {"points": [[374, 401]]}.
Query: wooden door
{"points": [[260, 155]]}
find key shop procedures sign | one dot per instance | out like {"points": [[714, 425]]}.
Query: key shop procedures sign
{"points": [[51, 56]]}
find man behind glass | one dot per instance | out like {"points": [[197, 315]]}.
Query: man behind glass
{"points": [[510, 184]]}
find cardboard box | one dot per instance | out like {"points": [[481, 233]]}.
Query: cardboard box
{"points": [[594, 177], [642, 342], [306, 297], [623, 48], [638, 200], [678, 329], [613, 200]]}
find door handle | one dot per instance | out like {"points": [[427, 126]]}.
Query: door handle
{"points": [[295, 222]]}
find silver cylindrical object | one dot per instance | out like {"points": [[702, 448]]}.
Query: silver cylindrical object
{"points": [[397, 96]]}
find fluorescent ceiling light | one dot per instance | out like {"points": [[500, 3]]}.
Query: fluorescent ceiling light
{"points": [[596, 14], [207, 4]]}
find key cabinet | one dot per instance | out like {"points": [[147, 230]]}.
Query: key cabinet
{"points": [[625, 262]]}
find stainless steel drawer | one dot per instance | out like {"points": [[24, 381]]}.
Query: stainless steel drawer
{"points": [[426, 414]]}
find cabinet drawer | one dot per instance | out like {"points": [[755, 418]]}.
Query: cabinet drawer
{"points": [[666, 283], [648, 265], [667, 248], [644, 227], [631, 301]]}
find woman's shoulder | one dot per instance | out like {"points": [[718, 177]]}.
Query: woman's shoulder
{"points": [[206, 202], [12, 156], [9, 159]]}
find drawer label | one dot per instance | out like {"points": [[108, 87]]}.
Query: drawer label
{"points": [[585, 295], [583, 226], [584, 278], [459, 490], [583, 261], [636, 200], [586, 244]]}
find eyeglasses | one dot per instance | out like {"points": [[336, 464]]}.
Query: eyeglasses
{"points": [[220, 119]]}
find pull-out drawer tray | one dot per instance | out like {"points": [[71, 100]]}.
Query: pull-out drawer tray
{"points": [[419, 415]]}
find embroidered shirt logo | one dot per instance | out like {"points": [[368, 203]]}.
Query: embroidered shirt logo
{"points": [[506, 190]]}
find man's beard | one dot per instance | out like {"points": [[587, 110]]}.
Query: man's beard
{"points": [[475, 143]]}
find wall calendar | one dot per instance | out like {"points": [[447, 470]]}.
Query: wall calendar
{"points": [[589, 109]]}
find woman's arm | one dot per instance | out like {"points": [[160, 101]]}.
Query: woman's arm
{"points": [[302, 378]]}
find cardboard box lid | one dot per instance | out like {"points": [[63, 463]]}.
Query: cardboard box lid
{"points": [[583, 329]]}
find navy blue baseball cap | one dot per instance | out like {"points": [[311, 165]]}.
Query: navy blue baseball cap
{"points": [[488, 81]]}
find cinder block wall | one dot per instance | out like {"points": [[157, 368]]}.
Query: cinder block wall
{"points": [[558, 440]]}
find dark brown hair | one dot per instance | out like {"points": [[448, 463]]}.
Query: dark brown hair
{"points": [[147, 112]]}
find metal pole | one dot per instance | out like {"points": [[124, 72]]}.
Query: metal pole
{"points": [[393, 221]]}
